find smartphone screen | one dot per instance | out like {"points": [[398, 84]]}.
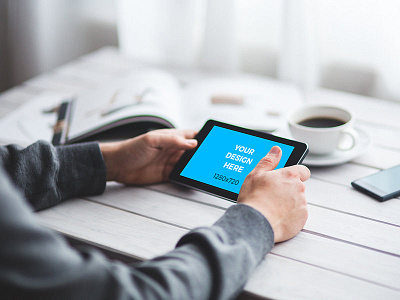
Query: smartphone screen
{"points": [[383, 185]]}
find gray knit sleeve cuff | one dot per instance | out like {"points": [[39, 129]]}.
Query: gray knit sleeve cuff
{"points": [[242, 222], [82, 170]]}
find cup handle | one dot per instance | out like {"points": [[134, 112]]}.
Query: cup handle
{"points": [[354, 136]]}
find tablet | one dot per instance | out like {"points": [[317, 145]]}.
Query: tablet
{"points": [[226, 154]]}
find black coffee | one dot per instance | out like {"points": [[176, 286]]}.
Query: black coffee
{"points": [[321, 122]]}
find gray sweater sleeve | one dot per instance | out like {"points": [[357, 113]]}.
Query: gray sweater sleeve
{"points": [[208, 263], [47, 175]]}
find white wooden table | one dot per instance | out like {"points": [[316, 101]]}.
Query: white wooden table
{"points": [[348, 249]]}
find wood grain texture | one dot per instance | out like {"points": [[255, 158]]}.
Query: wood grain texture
{"points": [[344, 199], [124, 232], [385, 136], [344, 258], [342, 174], [348, 200], [358, 262], [280, 278], [52, 83], [379, 157], [160, 206], [85, 71], [186, 193], [17, 96], [353, 229], [4, 111]]}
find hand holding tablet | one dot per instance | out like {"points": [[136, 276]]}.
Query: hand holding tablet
{"points": [[226, 154]]}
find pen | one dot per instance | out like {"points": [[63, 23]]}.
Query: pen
{"points": [[61, 127]]}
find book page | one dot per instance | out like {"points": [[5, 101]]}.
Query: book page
{"points": [[148, 92]]}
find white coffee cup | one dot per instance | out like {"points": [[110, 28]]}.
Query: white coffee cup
{"points": [[323, 128]]}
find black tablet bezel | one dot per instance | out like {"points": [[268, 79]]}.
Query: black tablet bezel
{"points": [[297, 156]]}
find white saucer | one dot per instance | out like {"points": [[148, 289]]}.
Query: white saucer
{"points": [[340, 157]]}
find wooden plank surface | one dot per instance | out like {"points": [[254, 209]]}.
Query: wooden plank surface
{"points": [[342, 174], [54, 83], [384, 136], [344, 258], [379, 157], [353, 229], [328, 195], [320, 249], [124, 232], [349, 248], [130, 233], [348, 200], [186, 193], [4, 111], [16, 96], [280, 278], [84, 71], [162, 207]]}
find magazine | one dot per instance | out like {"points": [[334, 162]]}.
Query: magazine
{"points": [[141, 102]]}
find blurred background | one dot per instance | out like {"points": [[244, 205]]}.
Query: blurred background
{"points": [[351, 46]]}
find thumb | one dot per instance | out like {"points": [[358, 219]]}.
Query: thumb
{"points": [[271, 160]]}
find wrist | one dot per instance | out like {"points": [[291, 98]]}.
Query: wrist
{"points": [[268, 213], [109, 152]]}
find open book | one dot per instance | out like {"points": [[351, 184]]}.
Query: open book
{"points": [[143, 101], [150, 99]]}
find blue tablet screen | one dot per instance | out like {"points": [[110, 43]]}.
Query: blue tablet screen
{"points": [[226, 157]]}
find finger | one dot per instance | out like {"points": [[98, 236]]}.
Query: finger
{"points": [[304, 172], [172, 140], [271, 160], [173, 159], [171, 162], [300, 171], [186, 133]]}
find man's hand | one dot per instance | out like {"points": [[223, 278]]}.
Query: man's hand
{"points": [[277, 194], [148, 158]]}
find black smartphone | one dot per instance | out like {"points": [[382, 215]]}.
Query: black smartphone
{"points": [[382, 185]]}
